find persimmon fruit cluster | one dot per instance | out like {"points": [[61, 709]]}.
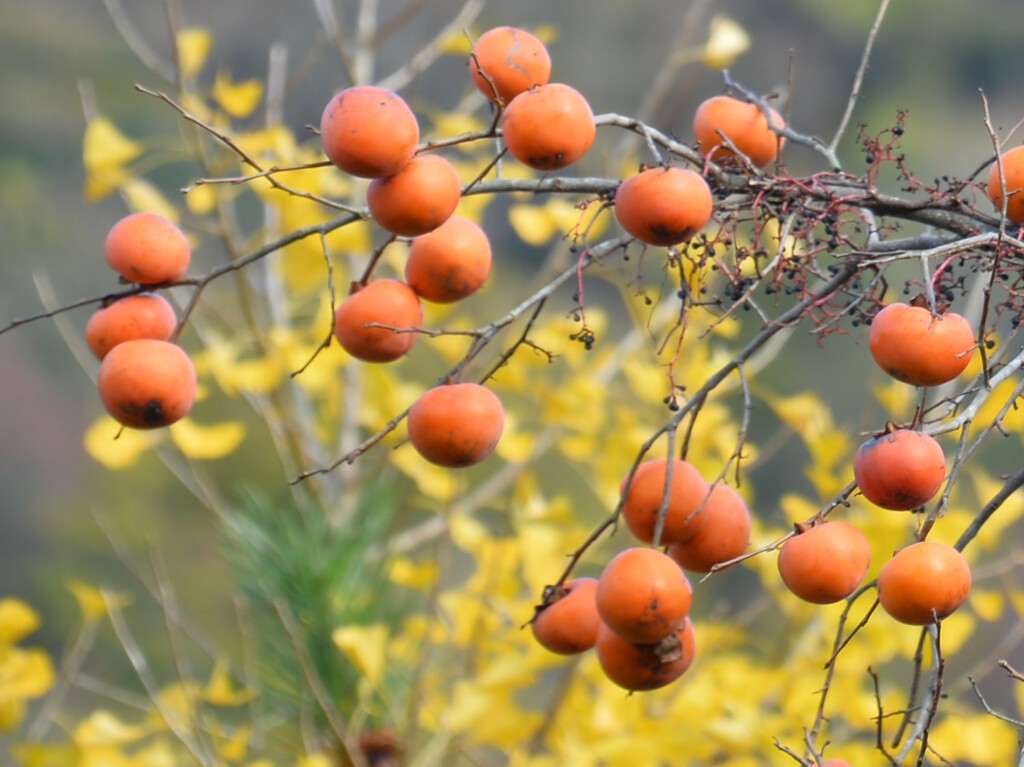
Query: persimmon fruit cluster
{"points": [[145, 380], [635, 616], [371, 132], [643, 597]]}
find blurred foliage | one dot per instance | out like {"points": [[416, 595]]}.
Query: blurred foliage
{"points": [[391, 594]]}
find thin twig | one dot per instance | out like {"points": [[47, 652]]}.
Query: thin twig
{"points": [[141, 666], [859, 77]]}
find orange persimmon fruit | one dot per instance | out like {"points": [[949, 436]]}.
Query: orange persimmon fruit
{"points": [[449, 263], [663, 206], [643, 595], [147, 249], [900, 469], [456, 424], [567, 622], [416, 199], [369, 131], [145, 383], [723, 535], [507, 61], [637, 667], [914, 346], [825, 562], [142, 315], [743, 123], [548, 127], [686, 512], [1013, 173], [383, 301], [924, 582]]}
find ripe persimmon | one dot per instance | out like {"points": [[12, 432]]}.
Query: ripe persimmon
{"points": [[567, 622], [507, 61], [142, 315], [548, 127], [663, 206], [643, 595], [636, 667], [369, 131], [835, 763], [900, 470], [456, 424], [642, 503], [418, 198], [916, 347], [148, 249], [924, 582], [388, 302], [743, 123], [145, 383], [449, 263], [724, 534], [1013, 173], [825, 562]]}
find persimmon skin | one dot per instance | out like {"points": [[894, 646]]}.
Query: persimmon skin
{"points": [[744, 124], [924, 581], [388, 302], [548, 127], [1013, 170], [368, 131], [142, 315], [636, 667], [456, 425], [418, 198], [724, 535], [900, 470], [513, 61], [835, 763], [684, 516], [663, 206], [145, 383], [913, 346], [569, 625], [826, 563], [643, 595], [449, 263], [147, 249]]}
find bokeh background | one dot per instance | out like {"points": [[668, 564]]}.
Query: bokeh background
{"points": [[931, 59]]}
